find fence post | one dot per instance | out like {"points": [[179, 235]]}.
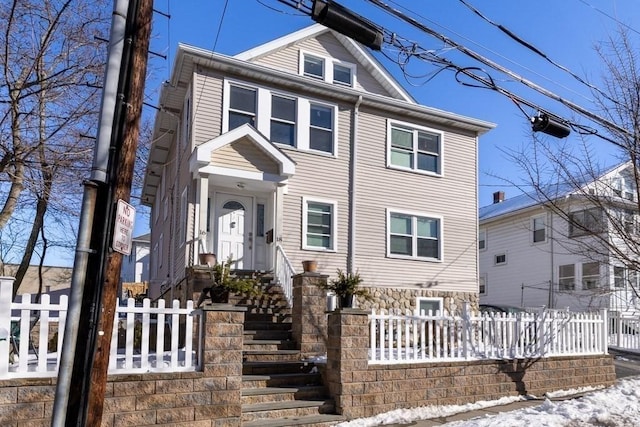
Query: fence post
{"points": [[618, 331], [541, 315], [6, 291], [605, 331], [466, 333]]}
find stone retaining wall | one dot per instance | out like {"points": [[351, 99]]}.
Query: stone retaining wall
{"points": [[363, 390]]}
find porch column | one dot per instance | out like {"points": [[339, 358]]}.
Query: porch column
{"points": [[309, 317], [201, 215], [281, 190]]}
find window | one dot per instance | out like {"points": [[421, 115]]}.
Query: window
{"points": [[500, 259], [425, 305], [242, 106], [482, 240], [539, 228], [590, 275], [482, 284], [629, 219], [414, 236], [260, 220], [342, 74], [585, 222], [313, 66], [618, 277], [415, 149], [321, 129], [319, 224], [566, 277], [283, 120]]}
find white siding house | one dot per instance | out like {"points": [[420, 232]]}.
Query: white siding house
{"points": [[306, 146], [551, 253]]}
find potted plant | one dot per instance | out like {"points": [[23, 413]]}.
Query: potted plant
{"points": [[345, 287], [226, 283]]}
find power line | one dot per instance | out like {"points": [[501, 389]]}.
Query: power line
{"points": [[609, 16]]}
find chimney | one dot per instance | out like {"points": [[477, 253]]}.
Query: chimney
{"points": [[498, 197]]}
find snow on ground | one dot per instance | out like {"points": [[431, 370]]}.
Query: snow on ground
{"points": [[616, 406]]}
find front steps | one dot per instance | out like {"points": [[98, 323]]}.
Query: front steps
{"points": [[278, 389]]}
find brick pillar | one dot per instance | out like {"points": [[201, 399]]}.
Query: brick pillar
{"points": [[347, 358], [309, 317], [222, 363]]}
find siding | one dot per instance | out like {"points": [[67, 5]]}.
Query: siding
{"points": [[244, 155], [452, 196], [326, 45], [207, 107]]}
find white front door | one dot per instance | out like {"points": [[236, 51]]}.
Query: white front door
{"points": [[234, 219]]}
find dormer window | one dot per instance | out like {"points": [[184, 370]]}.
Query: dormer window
{"points": [[313, 66], [327, 69]]}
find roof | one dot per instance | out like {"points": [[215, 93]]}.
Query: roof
{"points": [[535, 198]]}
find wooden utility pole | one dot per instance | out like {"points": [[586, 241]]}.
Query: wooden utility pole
{"points": [[122, 191]]}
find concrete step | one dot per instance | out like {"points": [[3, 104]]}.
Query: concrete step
{"points": [[319, 420], [270, 355], [268, 317], [267, 334], [270, 367], [255, 325], [279, 394], [278, 410], [268, 345], [293, 379]]}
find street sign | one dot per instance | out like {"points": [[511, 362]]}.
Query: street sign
{"points": [[123, 229]]}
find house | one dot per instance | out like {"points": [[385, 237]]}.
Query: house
{"points": [[306, 148], [51, 280], [134, 275], [573, 248]]}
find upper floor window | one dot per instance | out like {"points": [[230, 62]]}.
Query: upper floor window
{"points": [[414, 148], [585, 222], [414, 236], [242, 106], [318, 224], [321, 128], [539, 229], [327, 69], [619, 277], [313, 66], [590, 275], [283, 120], [482, 240], [566, 277]]}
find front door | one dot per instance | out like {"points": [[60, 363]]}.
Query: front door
{"points": [[234, 219]]}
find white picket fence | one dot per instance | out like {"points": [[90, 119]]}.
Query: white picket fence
{"points": [[145, 338], [409, 338], [624, 331]]}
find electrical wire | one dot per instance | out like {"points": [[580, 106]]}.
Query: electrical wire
{"points": [[609, 16], [537, 51]]}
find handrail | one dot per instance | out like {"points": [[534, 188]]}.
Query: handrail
{"points": [[285, 273]]}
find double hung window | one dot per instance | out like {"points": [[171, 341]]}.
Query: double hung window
{"points": [[321, 128], [242, 106], [590, 275], [539, 229], [319, 224], [414, 236], [415, 149], [283, 120], [566, 277]]}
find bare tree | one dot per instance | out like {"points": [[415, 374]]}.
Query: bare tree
{"points": [[598, 211], [51, 65]]}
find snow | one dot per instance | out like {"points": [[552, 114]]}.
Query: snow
{"points": [[616, 406]]}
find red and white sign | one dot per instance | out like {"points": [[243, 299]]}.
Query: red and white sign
{"points": [[123, 229]]}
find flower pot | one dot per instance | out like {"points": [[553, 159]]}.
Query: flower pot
{"points": [[346, 301], [207, 259], [310, 266]]}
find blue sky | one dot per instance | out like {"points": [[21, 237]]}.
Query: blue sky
{"points": [[566, 31]]}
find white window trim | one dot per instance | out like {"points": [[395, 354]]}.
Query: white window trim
{"points": [[263, 115], [495, 260], [328, 63], [486, 288], [415, 127], [439, 300], [334, 224], [415, 214], [482, 231], [532, 225]]}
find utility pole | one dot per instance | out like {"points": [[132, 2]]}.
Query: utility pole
{"points": [[122, 191]]}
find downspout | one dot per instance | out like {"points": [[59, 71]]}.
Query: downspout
{"points": [[353, 166]]}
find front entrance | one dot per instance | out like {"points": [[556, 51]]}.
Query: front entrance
{"points": [[234, 220]]}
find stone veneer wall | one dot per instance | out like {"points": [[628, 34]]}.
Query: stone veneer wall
{"points": [[363, 390], [208, 398], [405, 299]]}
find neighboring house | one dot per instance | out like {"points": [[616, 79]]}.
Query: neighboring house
{"points": [[551, 254], [305, 148], [134, 275], [55, 281]]}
